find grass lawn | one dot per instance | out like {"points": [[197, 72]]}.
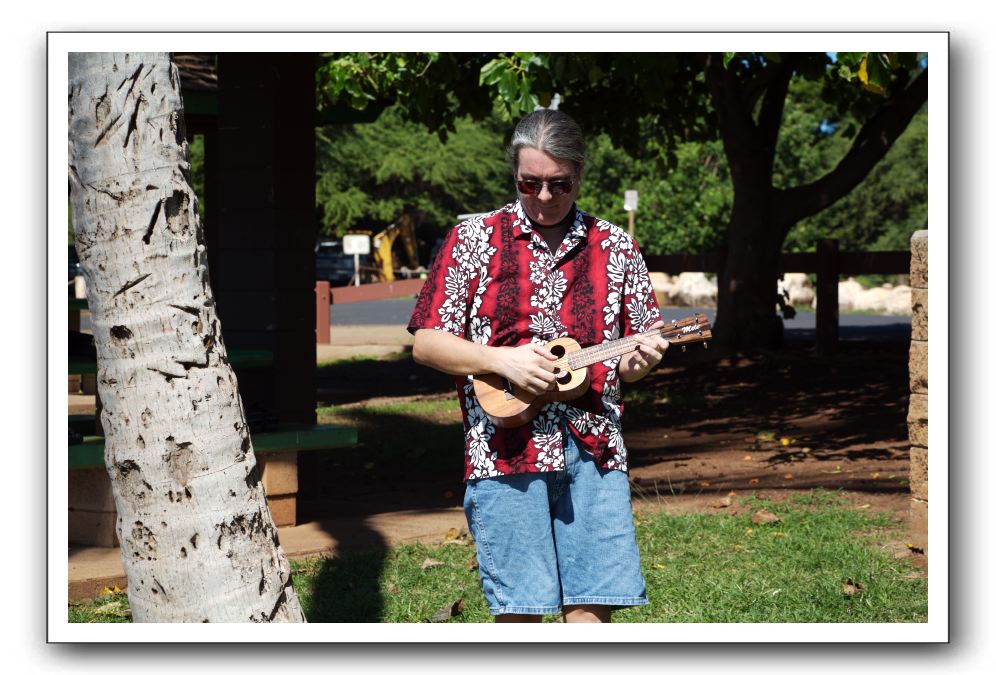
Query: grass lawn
{"points": [[822, 561]]}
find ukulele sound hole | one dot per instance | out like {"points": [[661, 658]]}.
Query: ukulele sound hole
{"points": [[557, 350], [563, 376]]}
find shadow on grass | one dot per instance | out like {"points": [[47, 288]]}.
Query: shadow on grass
{"points": [[403, 462], [347, 590]]}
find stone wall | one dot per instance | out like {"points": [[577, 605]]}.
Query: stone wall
{"points": [[917, 417]]}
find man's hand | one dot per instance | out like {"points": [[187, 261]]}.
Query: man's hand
{"points": [[528, 366], [635, 365]]}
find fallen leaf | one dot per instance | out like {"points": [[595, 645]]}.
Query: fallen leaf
{"points": [[876, 475], [738, 547], [805, 451], [749, 532], [865, 506], [787, 476], [704, 484], [430, 562], [778, 534], [753, 481], [391, 588], [448, 612], [723, 503], [764, 516], [452, 533], [765, 435], [115, 608], [657, 566], [786, 441], [473, 564], [111, 591], [748, 458], [852, 587], [731, 493]]}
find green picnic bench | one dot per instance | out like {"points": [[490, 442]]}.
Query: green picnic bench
{"points": [[92, 513]]}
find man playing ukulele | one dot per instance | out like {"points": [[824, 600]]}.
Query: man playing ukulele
{"points": [[547, 502]]}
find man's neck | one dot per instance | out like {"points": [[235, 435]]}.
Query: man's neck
{"points": [[554, 234]]}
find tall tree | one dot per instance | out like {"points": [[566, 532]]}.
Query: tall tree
{"points": [[198, 543], [736, 98]]}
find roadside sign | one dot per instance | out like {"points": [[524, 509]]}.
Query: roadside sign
{"points": [[356, 244], [630, 200]]}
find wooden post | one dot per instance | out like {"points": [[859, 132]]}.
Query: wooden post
{"points": [[827, 311], [323, 298], [632, 213]]}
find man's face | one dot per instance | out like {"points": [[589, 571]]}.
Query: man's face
{"points": [[544, 208]]}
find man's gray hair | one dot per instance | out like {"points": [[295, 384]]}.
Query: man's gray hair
{"points": [[552, 132]]}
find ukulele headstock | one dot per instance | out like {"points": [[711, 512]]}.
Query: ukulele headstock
{"points": [[690, 329]]}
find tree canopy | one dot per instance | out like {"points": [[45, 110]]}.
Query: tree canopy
{"points": [[651, 104]]}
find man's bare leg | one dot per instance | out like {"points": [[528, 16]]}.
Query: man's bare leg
{"points": [[587, 614]]}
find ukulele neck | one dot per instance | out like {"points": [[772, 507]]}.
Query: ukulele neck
{"points": [[607, 350]]}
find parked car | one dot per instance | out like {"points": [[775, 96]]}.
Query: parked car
{"points": [[336, 267]]}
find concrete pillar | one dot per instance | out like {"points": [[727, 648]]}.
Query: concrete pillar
{"points": [[917, 417]]}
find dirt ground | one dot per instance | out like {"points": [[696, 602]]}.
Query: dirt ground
{"points": [[697, 429]]}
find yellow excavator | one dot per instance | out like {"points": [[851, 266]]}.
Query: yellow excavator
{"points": [[382, 244]]}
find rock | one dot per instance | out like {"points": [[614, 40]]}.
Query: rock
{"points": [[847, 293], [919, 301], [870, 300], [918, 366], [799, 288], [693, 289], [662, 283], [918, 473], [900, 301], [918, 259], [917, 420]]}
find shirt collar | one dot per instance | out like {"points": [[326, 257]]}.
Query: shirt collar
{"points": [[523, 226]]}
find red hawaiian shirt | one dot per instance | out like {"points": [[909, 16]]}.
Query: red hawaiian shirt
{"points": [[494, 281]]}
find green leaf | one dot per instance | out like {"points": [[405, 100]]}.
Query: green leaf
{"points": [[727, 57], [491, 71], [508, 86], [850, 59], [879, 72]]}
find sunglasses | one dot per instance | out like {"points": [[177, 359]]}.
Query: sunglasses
{"points": [[556, 187]]}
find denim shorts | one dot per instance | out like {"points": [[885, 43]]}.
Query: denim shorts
{"points": [[546, 540]]}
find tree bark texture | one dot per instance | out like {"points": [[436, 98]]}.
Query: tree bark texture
{"points": [[197, 539]]}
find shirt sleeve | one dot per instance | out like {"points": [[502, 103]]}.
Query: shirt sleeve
{"points": [[442, 302], [640, 308]]}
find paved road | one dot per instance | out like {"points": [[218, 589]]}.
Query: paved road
{"points": [[395, 312], [802, 328]]}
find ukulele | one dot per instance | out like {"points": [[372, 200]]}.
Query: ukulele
{"points": [[507, 405]]}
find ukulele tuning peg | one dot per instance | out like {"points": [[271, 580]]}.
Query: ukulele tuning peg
{"points": [[684, 348], [705, 345]]}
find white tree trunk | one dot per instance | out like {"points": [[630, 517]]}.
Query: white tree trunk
{"points": [[197, 540]]}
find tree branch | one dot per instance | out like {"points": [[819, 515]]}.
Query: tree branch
{"points": [[769, 121], [736, 126], [872, 143]]}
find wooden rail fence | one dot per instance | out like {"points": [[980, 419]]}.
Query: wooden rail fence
{"points": [[829, 263]]}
